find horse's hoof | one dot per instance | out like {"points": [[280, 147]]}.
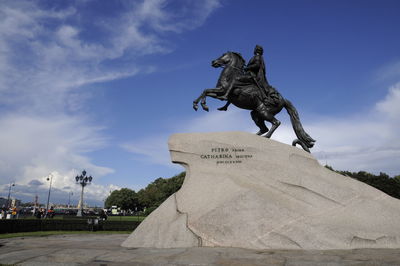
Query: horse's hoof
{"points": [[268, 136], [262, 132], [195, 107], [222, 109], [204, 106]]}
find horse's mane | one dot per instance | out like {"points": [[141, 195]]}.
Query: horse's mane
{"points": [[240, 57]]}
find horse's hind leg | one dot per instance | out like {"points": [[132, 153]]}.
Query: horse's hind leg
{"points": [[275, 124], [264, 114], [259, 122]]}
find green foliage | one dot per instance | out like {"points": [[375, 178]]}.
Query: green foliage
{"points": [[383, 182], [148, 198], [329, 167], [150, 210], [124, 198], [158, 191], [126, 218]]}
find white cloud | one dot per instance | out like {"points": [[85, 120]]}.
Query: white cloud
{"points": [[366, 141], [231, 120], [358, 142], [390, 106], [44, 56], [62, 186], [186, 15], [45, 62], [153, 149], [389, 71], [33, 147]]}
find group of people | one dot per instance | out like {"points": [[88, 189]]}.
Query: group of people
{"points": [[8, 213], [41, 213], [15, 213]]}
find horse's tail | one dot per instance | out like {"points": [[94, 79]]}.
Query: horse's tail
{"points": [[303, 138]]}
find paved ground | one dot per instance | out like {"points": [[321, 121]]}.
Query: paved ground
{"points": [[105, 250]]}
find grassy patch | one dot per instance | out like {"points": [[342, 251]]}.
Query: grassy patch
{"points": [[49, 233], [126, 218]]}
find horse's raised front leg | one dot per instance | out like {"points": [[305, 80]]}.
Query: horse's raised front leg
{"points": [[207, 92], [195, 102]]}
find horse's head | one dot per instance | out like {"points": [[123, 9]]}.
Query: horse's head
{"points": [[229, 59]]}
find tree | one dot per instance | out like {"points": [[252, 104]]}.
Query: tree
{"points": [[124, 198], [158, 191], [383, 181], [148, 198]]}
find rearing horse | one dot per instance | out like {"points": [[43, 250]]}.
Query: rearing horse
{"points": [[249, 97]]}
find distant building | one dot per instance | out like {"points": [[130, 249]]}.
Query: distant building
{"points": [[15, 203]]}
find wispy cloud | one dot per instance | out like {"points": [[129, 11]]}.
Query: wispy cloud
{"points": [[150, 149], [33, 147], [46, 53], [63, 189], [47, 57], [362, 141], [389, 71], [154, 149]]}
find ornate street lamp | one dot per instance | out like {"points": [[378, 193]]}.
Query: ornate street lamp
{"points": [[9, 194], [48, 197], [83, 180]]}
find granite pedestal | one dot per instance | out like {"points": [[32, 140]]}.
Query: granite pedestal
{"points": [[246, 191]]}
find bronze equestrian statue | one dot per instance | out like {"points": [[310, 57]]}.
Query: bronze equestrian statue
{"points": [[248, 88]]}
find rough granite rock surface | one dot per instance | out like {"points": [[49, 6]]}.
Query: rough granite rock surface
{"points": [[246, 191]]}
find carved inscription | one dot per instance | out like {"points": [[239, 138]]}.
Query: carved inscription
{"points": [[223, 155]]}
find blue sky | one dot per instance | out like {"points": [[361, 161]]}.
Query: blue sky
{"points": [[101, 85]]}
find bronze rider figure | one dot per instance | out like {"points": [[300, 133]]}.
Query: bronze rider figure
{"points": [[254, 74]]}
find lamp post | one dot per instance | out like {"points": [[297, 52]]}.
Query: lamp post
{"points": [[48, 197], [69, 198], [83, 180], [36, 205], [9, 194]]}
